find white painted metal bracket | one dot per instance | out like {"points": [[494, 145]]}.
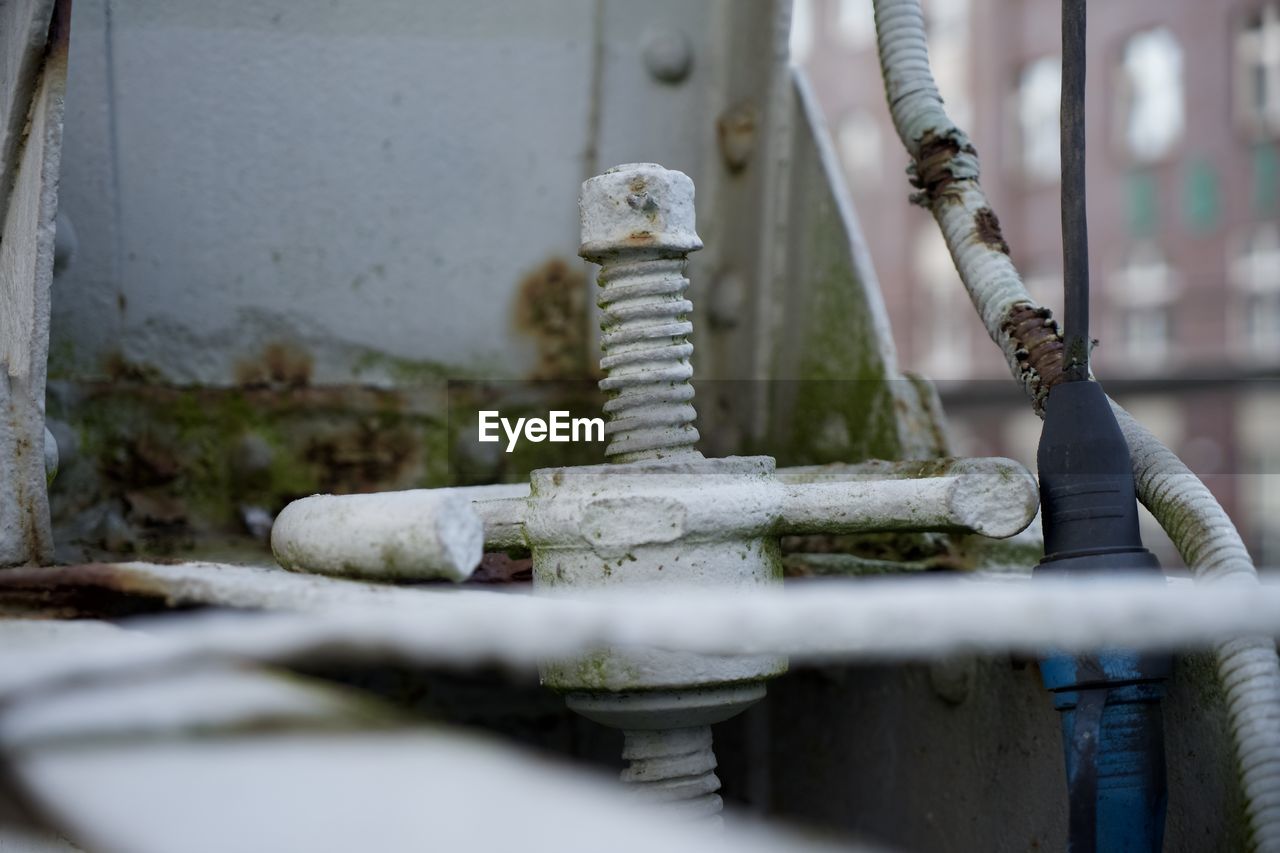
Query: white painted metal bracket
{"points": [[33, 54]]}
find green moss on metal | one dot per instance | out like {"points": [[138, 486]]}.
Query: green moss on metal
{"points": [[843, 409], [62, 358], [405, 372], [180, 465], [602, 670]]}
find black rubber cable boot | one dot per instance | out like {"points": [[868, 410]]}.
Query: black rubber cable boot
{"points": [[1113, 736]]}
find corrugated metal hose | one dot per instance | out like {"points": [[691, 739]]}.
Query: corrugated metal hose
{"points": [[946, 170]]}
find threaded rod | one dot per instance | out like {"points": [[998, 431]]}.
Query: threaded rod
{"points": [[674, 767], [645, 358]]}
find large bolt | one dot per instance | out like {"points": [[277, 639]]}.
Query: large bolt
{"points": [[667, 742], [638, 225], [667, 516], [674, 766]]}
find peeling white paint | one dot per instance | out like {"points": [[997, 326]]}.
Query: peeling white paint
{"points": [[891, 619], [417, 534]]}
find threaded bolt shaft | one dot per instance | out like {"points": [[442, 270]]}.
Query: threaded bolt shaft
{"points": [[646, 359], [674, 767], [638, 224]]}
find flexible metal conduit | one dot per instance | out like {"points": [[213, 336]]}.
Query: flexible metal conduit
{"points": [[946, 170]]}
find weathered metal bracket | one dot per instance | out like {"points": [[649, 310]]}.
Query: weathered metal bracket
{"points": [[33, 57]]}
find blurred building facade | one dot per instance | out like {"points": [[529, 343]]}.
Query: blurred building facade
{"points": [[1183, 118]]}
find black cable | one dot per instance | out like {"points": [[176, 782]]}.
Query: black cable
{"points": [[1075, 228], [1110, 701]]}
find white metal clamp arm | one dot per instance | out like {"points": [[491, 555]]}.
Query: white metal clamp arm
{"points": [[426, 534]]}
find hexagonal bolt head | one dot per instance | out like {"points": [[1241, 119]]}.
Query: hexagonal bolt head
{"points": [[639, 207]]}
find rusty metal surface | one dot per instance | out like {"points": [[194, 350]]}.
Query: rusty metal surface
{"points": [[152, 587], [1039, 342], [162, 470], [290, 327]]}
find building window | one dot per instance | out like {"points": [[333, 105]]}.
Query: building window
{"points": [[858, 138], [1151, 115], [1039, 96], [946, 351], [1142, 294], [1142, 202], [801, 31], [1258, 70], [1201, 204], [1146, 332], [856, 23], [1255, 273]]}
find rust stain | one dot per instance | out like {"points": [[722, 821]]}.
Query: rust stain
{"points": [[933, 173], [89, 590], [120, 369], [23, 421], [145, 460], [59, 41], [171, 466], [551, 308], [107, 575], [362, 458], [98, 590], [736, 131], [1040, 347], [988, 225], [280, 365]]}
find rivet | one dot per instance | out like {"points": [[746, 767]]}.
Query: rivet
{"points": [[668, 55]]}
